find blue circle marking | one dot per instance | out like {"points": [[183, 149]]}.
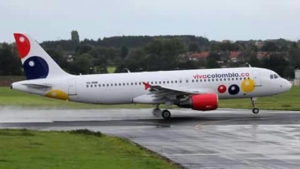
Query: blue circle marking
{"points": [[234, 89], [36, 68]]}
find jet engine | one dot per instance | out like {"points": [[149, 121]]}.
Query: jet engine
{"points": [[200, 102]]}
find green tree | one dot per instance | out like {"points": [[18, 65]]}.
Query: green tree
{"points": [[253, 61], [270, 46], [193, 47], [83, 64], [276, 63], [75, 38], [124, 52], [9, 62], [164, 54], [59, 58], [212, 60]]}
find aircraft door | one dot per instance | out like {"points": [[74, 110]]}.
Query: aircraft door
{"points": [[72, 87], [257, 78]]}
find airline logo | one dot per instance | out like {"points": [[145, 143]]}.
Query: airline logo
{"points": [[220, 75], [247, 85], [35, 66]]}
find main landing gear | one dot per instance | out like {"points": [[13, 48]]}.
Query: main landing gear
{"points": [[254, 110], [166, 114]]}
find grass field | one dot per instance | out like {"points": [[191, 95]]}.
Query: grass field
{"points": [[82, 149], [286, 101], [15, 98]]}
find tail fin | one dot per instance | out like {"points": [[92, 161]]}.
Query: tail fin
{"points": [[36, 62]]}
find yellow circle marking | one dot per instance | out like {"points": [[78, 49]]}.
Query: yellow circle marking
{"points": [[248, 85], [57, 94]]}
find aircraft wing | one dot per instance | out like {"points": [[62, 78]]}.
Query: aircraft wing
{"points": [[159, 94]]}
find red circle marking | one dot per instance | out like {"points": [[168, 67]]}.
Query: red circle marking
{"points": [[222, 89], [23, 44]]}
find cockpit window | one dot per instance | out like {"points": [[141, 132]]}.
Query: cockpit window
{"points": [[274, 76]]}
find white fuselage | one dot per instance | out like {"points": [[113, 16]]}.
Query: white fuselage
{"points": [[123, 88]]}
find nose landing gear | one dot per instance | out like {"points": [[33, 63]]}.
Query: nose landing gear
{"points": [[254, 110]]}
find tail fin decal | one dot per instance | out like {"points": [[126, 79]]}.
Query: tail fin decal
{"points": [[36, 62], [36, 68], [23, 44]]}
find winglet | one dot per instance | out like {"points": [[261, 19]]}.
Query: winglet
{"points": [[147, 85]]}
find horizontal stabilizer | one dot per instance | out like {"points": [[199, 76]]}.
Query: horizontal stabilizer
{"points": [[38, 86]]}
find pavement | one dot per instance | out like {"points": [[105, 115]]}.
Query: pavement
{"points": [[225, 138]]}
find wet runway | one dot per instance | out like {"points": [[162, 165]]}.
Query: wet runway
{"points": [[226, 138]]}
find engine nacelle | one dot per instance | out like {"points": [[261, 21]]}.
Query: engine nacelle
{"points": [[200, 102]]}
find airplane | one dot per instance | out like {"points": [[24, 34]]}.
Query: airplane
{"points": [[198, 89]]}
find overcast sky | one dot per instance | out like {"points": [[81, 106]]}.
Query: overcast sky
{"points": [[93, 19]]}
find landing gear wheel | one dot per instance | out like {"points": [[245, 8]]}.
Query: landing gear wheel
{"points": [[255, 110], [166, 114], [156, 112]]}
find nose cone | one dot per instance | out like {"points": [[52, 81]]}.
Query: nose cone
{"points": [[286, 85]]}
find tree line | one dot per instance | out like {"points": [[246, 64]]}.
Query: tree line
{"points": [[152, 53]]}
